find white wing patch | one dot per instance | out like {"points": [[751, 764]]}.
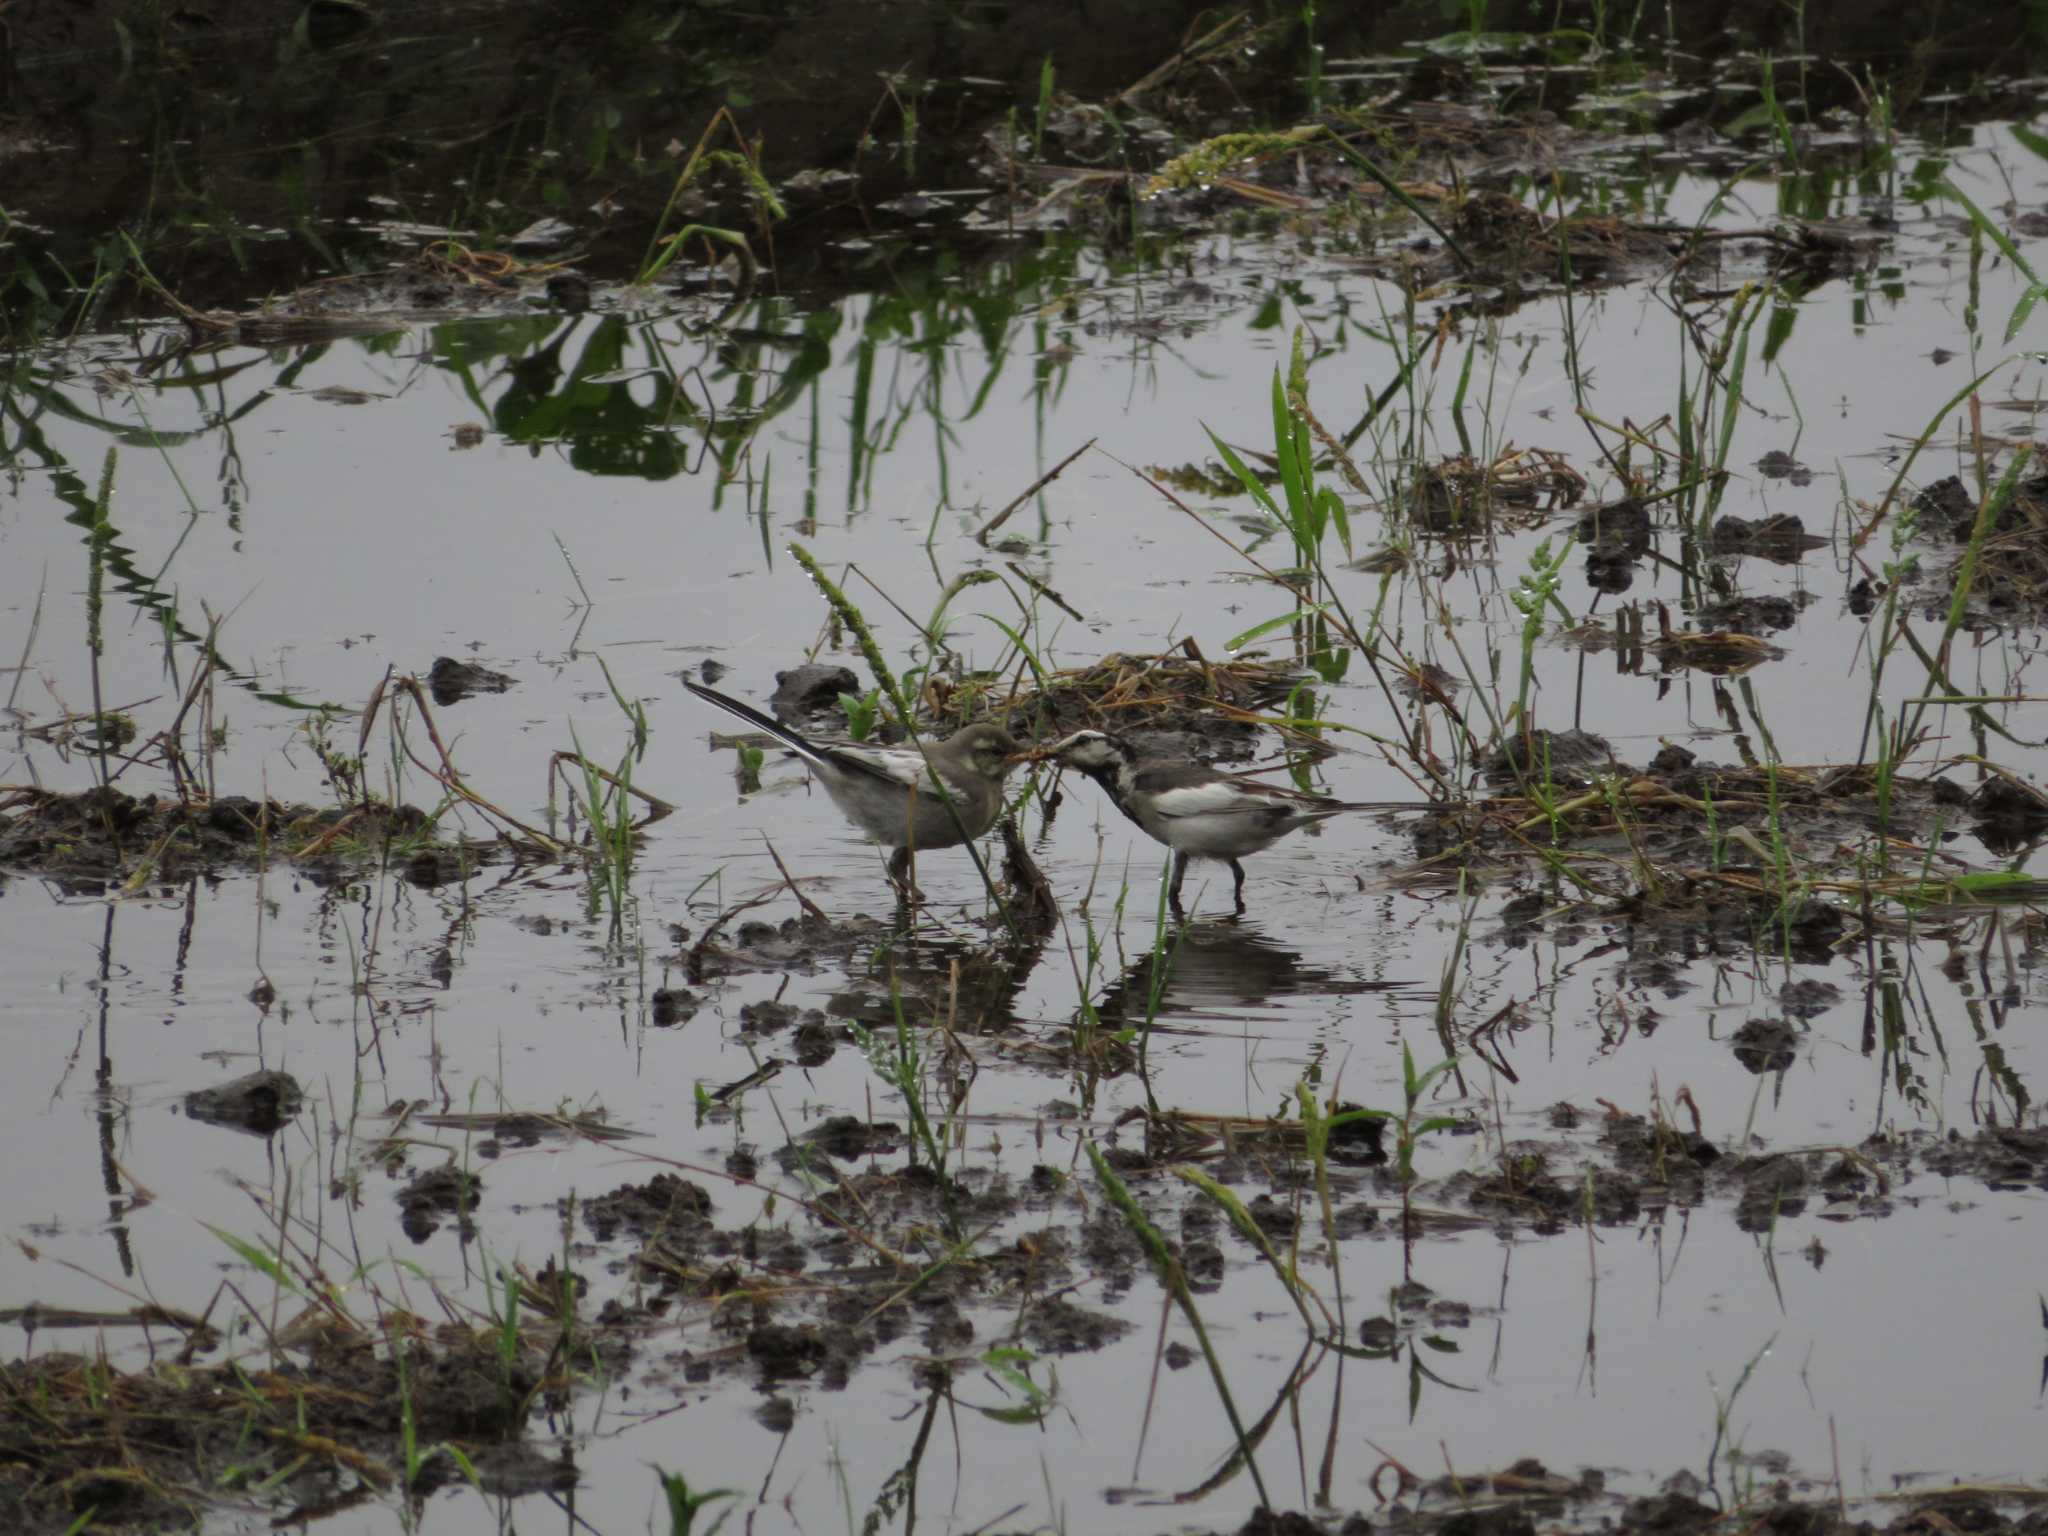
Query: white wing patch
{"points": [[1221, 798], [905, 768]]}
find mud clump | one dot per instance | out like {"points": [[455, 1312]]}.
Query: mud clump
{"points": [[670, 1006], [1780, 465], [804, 945], [850, 1138], [1561, 757], [1661, 1154], [785, 1352], [1523, 1189], [1782, 539], [2003, 1157], [1765, 1045], [262, 1103], [451, 681], [431, 868], [812, 689], [1758, 615], [436, 1193], [1512, 1502], [103, 834], [2008, 813], [1059, 1327], [1617, 537], [1670, 1514], [2010, 578], [767, 1017], [664, 1203], [1808, 998], [1772, 1187]]}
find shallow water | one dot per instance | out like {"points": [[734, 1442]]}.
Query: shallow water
{"points": [[342, 535]]}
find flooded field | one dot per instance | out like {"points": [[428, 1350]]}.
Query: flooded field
{"points": [[468, 1082]]}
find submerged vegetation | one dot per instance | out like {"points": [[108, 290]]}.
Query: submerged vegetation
{"points": [[1390, 423]]}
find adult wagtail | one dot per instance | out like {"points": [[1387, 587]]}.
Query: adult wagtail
{"points": [[889, 792], [1198, 812]]}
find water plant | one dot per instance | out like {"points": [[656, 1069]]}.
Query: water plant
{"points": [[1167, 1267], [685, 1504]]}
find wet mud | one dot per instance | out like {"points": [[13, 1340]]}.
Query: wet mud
{"points": [[320, 1434], [261, 1103], [1989, 550], [89, 838]]}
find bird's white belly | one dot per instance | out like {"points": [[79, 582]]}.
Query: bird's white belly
{"points": [[1217, 835], [901, 816]]}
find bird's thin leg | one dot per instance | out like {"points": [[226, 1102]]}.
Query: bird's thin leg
{"points": [[1180, 873], [1237, 874], [903, 875]]}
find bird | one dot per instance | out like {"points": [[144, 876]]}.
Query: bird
{"points": [[1197, 811], [890, 793]]}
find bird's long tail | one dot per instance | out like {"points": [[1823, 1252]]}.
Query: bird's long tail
{"points": [[1385, 806], [760, 722]]}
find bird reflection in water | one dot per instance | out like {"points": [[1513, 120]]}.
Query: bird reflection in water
{"points": [[1221, 970]]}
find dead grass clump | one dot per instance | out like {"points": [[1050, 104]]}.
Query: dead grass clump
{"points": [[1518, 487], [161, 1445], [1181, 690], [2011, 574], [1186, 1135], [1724, 653], [105, 833]]}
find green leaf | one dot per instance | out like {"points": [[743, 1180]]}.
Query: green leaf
{"points": [[1260, 630], [1333, 510], [2029, 139], [1981, 882], [1003, 1365], [1013, 1415], [1779, 331], [1435, 1072], [1243, 472], [1291, 478], [1748, 120], [462, 1460], [1330, 662], [1023, 648], [2021, 310], [256, 1258], [1349, 1115], [1991, 231]]}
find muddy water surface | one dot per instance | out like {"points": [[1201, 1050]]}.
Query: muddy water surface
{"points": [[627, 513]]}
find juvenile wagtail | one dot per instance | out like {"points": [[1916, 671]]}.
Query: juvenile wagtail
{"points": [[1199, 812], [889, 793]]}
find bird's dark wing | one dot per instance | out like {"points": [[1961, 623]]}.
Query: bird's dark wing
{"points": [[897, 767], [1166, 778], [1188, 789], [795, 741]]}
